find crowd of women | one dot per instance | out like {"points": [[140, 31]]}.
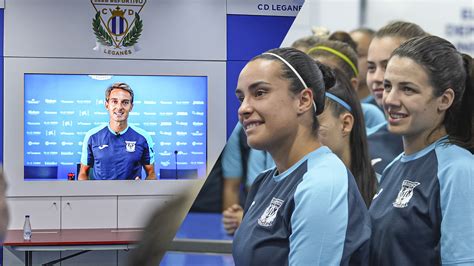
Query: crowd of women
{"points": [[371, 135]]}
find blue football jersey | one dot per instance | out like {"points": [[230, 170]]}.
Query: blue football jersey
{"points": [[117, 156], [383, 146], [311, 214], [423, 213]]}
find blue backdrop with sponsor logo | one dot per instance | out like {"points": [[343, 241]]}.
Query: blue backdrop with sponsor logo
{"points": [[60, 109]]}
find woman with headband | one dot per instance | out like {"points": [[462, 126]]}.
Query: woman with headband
{"points": [[342, 130], [307, 210], [340, 55]]}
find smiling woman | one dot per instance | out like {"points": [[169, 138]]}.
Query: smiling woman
{"points": [[429, 99], [310, 193]]}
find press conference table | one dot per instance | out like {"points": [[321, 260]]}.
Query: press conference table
{"points": [[190, 238]]}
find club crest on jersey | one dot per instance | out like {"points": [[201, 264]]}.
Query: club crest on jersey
{"points": [[130, 146], [269, 215], [405, 194], [117, 27]]}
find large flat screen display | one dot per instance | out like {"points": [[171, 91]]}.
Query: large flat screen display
{"points": [[60, 108]]}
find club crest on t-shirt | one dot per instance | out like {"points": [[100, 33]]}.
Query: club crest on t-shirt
{"points": [[269, 215], [130, 146], [405, 194]]}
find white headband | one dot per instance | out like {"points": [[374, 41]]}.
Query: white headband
{"points": [[296, 73]]}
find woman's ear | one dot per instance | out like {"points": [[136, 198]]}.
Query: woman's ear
{"points": [[446, 100], [305, 101], [347, 122], [355, 83]]}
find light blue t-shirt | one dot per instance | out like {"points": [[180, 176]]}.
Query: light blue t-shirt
{"points": [[258, 161]]}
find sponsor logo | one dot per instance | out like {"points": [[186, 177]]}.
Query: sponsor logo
{"points": [[182, 153], [67, 134], [99, 102], [375, 161], [166, 163], [50, 143], [50, 101], [166, 133], [34, 123], [134, 124], [33, 153], [66, 112], [50, 153], [181, 123], [80, 143], [117, 28], [166, 124], [165, 153], [50, 132], [33, 143], [67, 101], [182, 163], [69, 123], [51, 123], [81, 133], [52, 112], [99, 123], [137, 102], [197, 153], [64, 163], [377, 194], [197, 163], [178, 143], [166, 113], [196, 143], [50, 163], [150, 124], [83, 101], [33, 132], [198, 124], [198, 102], [164, 143], [270, 213], [181, 113], [100, 113], [198, 113], [84, 113], [134, 113], [149, 113], [181, 133], [166, 102], [67, 153], [182, 102], [66, 143], [100, 77], [130, 146], [405, 194], [149, 102], [33, 163], [32, 101], [31, 112], [152, 133], [196, 133], [101, 147], [84, 123]]}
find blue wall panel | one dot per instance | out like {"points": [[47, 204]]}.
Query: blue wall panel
{"points": [[248, 36]]}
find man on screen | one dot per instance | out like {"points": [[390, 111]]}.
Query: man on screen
{"points": [[117, 151]]}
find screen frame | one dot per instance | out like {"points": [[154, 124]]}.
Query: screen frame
{"points": [[13, 150]]}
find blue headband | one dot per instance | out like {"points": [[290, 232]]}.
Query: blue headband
{"points": [[339, 101]]}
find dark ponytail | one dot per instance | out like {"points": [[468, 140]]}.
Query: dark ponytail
{"points": [[361, 166]]}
